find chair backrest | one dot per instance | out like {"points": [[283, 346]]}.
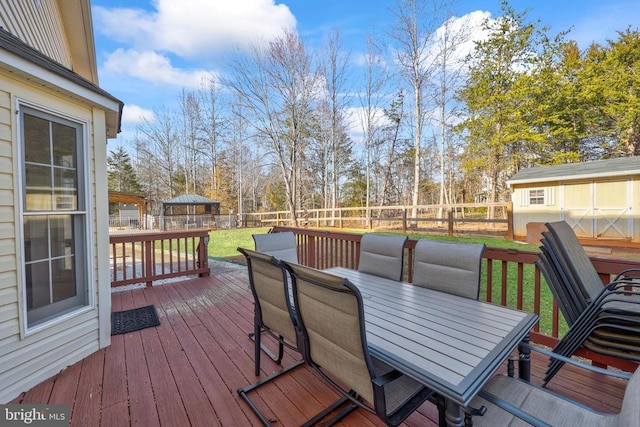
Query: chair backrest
{"points": [[280, 245], [630, 412], [382, 255], [267, 280], [558, 290], [574, 295], [330, 316], [577, 259], [450, 267]]}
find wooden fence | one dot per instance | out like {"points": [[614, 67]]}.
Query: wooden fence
{"points": [[447, 219], [324, 249]]}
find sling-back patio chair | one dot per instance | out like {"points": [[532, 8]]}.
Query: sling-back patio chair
{"points": [[514, 402], [449, 267], [330, 316], [602, 318], [279, 245], [382, 255], [609, 316], [272, 315], [550, 274]]}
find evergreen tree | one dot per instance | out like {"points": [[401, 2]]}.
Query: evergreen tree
{"points": [[121, 175], [499, 108]]}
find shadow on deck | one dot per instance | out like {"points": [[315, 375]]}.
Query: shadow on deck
{"points": [[186, 371]]}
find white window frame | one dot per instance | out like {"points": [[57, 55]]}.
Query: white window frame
{"points": [[547, 197], [84, 259]]}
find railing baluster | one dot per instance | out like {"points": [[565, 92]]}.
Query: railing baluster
{"points": [[141, 263]]}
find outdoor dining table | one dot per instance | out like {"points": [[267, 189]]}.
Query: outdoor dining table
{"points": [[451, 344]]}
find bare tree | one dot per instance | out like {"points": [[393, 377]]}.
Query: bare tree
{"points": [[159, 146], [448, 77], [415, 24], [372, 97], [213, 129], [277, 87], [334, 70], [191, 135]]}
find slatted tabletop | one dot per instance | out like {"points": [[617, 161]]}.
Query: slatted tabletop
{"points": [[449, 343]]}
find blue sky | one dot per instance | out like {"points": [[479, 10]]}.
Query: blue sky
{"points": [[149, 50]]}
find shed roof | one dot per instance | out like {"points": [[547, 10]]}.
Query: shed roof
{"points": [[190, 199], [586, 170]]}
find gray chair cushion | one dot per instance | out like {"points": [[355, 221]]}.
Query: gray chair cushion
{"points": [[448, 267], [279, 245], [382, 255]]}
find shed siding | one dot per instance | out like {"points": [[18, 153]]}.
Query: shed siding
{"points": [[39, 25], [598, 209], [27, 359]]}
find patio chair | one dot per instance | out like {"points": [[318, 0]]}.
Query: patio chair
{"points": [[382, 255], [279, 245], [512, 401], [602, 318], [272, 315], [449, 267], [330, 316]]}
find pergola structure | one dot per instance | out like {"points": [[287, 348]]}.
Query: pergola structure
{"points": [[133, 198]]}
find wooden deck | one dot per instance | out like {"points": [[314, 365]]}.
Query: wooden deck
{"points": [[186, 371]]}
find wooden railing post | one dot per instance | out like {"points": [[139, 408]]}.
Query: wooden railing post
{"points": [[450, 222], [510, 220], [148, 260], [404, 220], [340, 218], [203, 256]]}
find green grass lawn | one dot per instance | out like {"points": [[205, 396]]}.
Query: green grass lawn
{"points": [[223, 243]]}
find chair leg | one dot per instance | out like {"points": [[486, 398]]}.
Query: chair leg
{"points": [[335, 405], [277, 359], [244, 391]]}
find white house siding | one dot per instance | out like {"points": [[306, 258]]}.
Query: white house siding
{"points": [[38, 24], [27, 359]]}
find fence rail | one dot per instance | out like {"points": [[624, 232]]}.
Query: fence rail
{"points": [[324, 249], [463, 217], [148, 257]]}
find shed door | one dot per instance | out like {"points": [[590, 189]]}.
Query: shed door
{"points": [[599, 210], [577, 208]]}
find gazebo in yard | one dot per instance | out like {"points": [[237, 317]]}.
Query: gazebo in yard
{"points": [[189, 211]]}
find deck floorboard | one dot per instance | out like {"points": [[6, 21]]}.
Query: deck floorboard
{"points": [[187, 370]]}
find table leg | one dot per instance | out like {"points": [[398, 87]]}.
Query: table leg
{"points": [[524, 360], [454, 416]]}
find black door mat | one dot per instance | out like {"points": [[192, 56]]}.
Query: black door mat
{"points": [[133, 320]]}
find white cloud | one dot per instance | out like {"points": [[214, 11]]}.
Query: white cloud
{"points": [[195, 28], [134, 114], [153, 67]]}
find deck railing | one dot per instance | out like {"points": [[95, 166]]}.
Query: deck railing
{"points": [[325, 249], [148, 257]]}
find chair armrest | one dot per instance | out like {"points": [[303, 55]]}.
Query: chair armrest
{"points": [[525, 416], [623, 282], [621, 275], [382, 380], [577, 363]]}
